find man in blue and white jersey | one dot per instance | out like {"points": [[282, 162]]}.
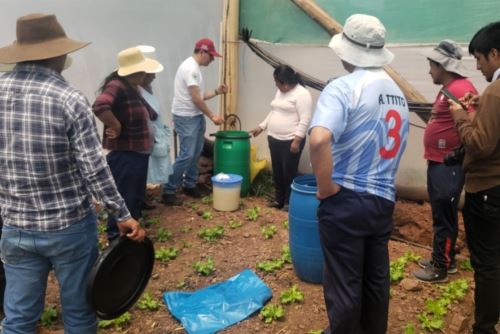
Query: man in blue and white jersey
{"points": [[358, 134]]}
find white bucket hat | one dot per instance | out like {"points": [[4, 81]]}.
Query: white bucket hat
{"points": [[449, 54], [362, 42], [150, 52], [132, 60]]}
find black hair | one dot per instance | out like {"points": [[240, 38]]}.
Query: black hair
{"points": [[486, 39], [286, 75], [112, 76]]}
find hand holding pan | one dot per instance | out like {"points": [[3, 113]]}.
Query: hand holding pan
{"points": [[119, 276]]}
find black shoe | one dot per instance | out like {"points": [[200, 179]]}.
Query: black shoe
{"points": [[426, 262], [171, 200], [192, 192], [431, 274], [147, 206]]}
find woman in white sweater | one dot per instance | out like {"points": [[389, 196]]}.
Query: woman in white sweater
{"points": [[286, 126]]}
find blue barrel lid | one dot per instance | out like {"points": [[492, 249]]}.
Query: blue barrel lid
{"points": [[305, 184], [226, 179]]}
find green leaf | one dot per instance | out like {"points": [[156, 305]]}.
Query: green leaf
{"points": [[291, 295], [271, 312], [48, 316], [147, 302]]}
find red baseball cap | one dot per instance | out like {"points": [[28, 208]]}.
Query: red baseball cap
{"points": [[207, 45]]}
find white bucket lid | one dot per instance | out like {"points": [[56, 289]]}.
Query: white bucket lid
{"points": [[226, 179]]}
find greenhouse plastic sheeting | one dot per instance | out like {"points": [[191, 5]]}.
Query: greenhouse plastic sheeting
{"points": [[220, 305]]}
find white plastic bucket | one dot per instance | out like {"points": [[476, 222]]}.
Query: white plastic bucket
{"points": [[226, 191]]}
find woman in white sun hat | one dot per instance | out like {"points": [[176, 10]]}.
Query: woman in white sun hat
{"points": [[127, 131], [160, 164], [358, 134]]}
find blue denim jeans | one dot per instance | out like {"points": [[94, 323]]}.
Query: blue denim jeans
{"points": [[28, 257], [191, 132]]}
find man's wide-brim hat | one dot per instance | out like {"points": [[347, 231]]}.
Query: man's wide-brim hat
{"points": [[39, 36], [449, 54], [362, 42]]}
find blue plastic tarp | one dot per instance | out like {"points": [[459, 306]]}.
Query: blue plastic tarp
{"points": [[220, 305]]}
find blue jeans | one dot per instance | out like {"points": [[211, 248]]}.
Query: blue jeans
{"points": [[28, 257], [191, 132]]}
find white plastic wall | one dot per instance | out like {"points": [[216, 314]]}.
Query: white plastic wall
{"points": [[173, 27]]}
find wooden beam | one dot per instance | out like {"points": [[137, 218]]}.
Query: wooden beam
{"points": [[230, 56], [333, 27]]}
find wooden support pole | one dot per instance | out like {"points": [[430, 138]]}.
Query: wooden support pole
{"points": [[230, 56], [333, 27]]}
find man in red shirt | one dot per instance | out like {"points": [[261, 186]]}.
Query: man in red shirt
{"points": [[444, 180]]}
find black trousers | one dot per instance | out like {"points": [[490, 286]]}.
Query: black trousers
{"points": [[354, 233], [285, 165], [444, 185], [482, 227], [130, 171]]}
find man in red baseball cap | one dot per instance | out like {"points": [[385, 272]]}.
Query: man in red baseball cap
{"points": [[189, 110], [207, 45]]}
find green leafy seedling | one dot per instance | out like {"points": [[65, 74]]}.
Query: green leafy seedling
{"points": [[292, 295], [207, 215], [397, 267], [271, 312], [119, 322], [147, 302], [205, 268], [48, 316], [101, 228], [181, 285], [315, 331], [186, 229], [271, 265], [211, 234], [194, 206], [152, 221], [432, 318], [286, 256], [268, 231], [466, 265], [166, 254], [233, 224], [409, 329], [285, 224], [163, 234], [253, 213], [206, 200]]}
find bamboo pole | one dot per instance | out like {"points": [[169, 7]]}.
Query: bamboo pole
{"points": [[230, 57], [333, 27]]}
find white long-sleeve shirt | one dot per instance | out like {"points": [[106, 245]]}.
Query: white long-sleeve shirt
{"points": [[290, 114]]}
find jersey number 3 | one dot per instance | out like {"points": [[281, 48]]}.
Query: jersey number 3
{"points": [[392, 133]]}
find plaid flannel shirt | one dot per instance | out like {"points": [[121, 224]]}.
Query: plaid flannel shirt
{"points": [[51, 160], [133, 113]]}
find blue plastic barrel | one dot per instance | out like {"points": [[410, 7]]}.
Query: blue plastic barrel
{"points": [[305, 248]]}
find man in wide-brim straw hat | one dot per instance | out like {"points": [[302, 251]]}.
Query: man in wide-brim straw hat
{"points": [[362, 118], [51, 166]]}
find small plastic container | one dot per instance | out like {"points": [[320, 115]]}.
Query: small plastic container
{"points": [[226, 191]]}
